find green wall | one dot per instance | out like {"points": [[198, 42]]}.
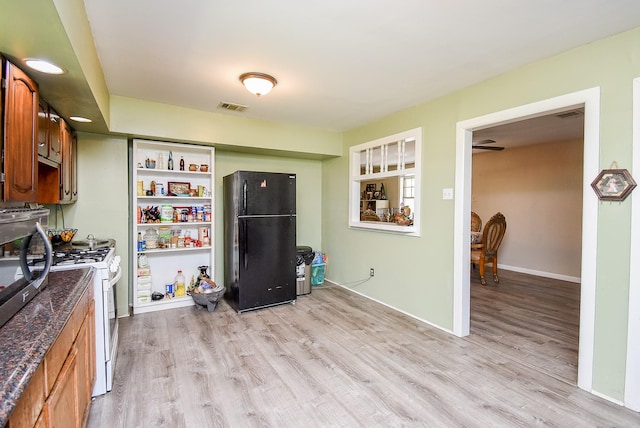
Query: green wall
{"points": [[230, 131], [103, 198], [415, 275], [308, 194]]}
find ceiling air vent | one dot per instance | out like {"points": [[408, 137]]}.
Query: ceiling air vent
{"points": [[568, 114], [232, 106]]}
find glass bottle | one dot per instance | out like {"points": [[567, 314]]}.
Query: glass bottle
{"points": [[179, 285], [160, 161], [181, 163], [170, 162], [151, 238]]}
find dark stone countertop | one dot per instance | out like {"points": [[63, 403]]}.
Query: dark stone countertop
{"points": [[26, 338]]}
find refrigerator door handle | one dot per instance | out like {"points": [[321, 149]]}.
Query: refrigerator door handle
{"points": [[245, 239], [244, 197]]}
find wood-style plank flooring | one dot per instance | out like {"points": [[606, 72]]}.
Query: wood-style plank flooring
{"points": [[532, 319], [337, 359]]}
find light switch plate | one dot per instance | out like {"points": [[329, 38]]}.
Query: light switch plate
{"points": [[447, 193]]}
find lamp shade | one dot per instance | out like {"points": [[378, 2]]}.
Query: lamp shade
{"points": [[258, 83]]}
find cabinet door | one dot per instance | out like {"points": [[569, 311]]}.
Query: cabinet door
{"points": [[43, 129], [20, 148], [68, 164], [28, 409], [61, 408], [84, 369], [55, 136], [74, 166]]}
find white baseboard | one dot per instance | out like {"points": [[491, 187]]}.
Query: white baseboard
{"points": [[606, 397], [541, 273], [388, 306]]}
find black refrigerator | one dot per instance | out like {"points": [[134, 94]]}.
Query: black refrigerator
{"points": [[259, 239]]}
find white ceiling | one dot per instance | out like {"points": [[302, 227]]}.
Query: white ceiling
{"points": [[561, 126], [339, 63]]}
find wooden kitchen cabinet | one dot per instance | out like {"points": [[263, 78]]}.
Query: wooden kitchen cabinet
{"points": [[58, 183], [26, 413], [83, 366], [84, 324], [61, 407], [68, 175], [49, 134], [19, 135], [59, 393]]}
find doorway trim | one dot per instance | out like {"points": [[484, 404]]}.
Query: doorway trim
{"points": [[632, 376], [590, 99]]}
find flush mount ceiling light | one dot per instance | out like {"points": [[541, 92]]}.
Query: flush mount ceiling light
{"points": [[43, 66], [258, 83]]}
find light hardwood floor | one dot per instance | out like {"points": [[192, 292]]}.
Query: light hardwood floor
{"points": [[532, 319], [336, 359]]}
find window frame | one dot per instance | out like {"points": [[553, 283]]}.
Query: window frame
{"points": [[357, 177]]}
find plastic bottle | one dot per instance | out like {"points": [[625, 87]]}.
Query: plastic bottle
{"points": [[141, 243], [179, 286]]}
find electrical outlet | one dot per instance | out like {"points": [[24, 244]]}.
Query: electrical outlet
{"points": [[372, 272]]}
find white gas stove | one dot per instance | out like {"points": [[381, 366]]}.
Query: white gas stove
{"points": [[107, 274]]}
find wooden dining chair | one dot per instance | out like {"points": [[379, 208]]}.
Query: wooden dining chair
{"points": [[487, 250], [369, 215], [476, 222]]}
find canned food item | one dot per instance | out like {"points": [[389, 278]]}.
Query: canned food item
{"points": [[170, 290], [166, 213]]}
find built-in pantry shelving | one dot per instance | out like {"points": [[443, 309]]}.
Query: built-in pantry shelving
{"points": [[173, 217]]}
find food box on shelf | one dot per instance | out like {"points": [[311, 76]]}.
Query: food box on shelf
{"points": [[144, 296]]}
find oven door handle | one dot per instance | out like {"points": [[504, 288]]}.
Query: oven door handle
{"points": [[116, 277]]}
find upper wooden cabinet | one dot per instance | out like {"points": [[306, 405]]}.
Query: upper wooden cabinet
{"points": [[57, 183], [49, 134], [19, 131], [68, 176]]}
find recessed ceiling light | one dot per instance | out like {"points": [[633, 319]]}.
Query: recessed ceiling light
{"points": [[43, 66], [80, 119]]}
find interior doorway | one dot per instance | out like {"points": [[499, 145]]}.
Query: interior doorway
{"points": [[590, 100], [531, 172]]}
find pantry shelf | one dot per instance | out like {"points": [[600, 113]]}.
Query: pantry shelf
{"points": [[184, 245]]}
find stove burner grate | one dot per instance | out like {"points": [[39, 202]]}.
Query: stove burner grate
{"points": [[74, 256]]}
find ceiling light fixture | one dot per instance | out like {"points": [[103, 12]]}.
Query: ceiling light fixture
{"points": [[43, 66], [80, 119], [258, 83]]}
